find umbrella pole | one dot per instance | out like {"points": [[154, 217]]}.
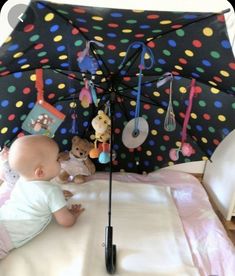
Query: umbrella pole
{"points": [[110, 248]]}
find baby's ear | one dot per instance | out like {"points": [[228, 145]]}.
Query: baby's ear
{"points": [[39, 172]]}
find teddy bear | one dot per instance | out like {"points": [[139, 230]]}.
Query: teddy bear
{"points": [[76, 164]]}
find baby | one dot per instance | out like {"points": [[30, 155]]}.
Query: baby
{"points": [[34, 199]]}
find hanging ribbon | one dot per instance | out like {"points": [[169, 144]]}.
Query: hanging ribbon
{"points": [[145, 50], [185, 148]]}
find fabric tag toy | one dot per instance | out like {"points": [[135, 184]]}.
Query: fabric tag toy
{"points": [[186, 149], [44, 118]]}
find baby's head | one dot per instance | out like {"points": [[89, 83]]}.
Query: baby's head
{"points": [[35, 157]]}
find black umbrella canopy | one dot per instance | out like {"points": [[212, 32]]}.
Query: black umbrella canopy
{"points": [[187, 44]]}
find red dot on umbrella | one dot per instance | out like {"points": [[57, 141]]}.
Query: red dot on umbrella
{"points": [[139, 149], [152, 16], [206, 116], [182, 115], [75, 31], [151, 44], [147, 106], [216, 142], [113, 25], [232, 65], [218, 79], [131, 150], [198, 89], [45, 60], [127, 78], [166, 138], [38, 46], [84, 30], [159, 158], [5, 73], [51, 96], [79, 10], [220, 18], [197, 43], [11, 117], [183, 61], [28, 28], [117, 130], [139, 35], [26, 90], [111, 47], [176, 26]]}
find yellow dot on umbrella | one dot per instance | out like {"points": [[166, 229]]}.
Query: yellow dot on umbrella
{"points": [[224, 73], [170, 163], [127, 31], [178, 144], [4, 130], [154, 132], [178, 67], [215, 90], [222, 118], [156, 94], [193, 115], [8, 39], [63, 57], [133, 103], [204, 140], [146, 56], [72, 105], [58, 38], [160, 110], [99, 72], [138, 11], [204, 158], [189, 53], [49, 17], [17, 55], [97, 18], [33, 77], [122, 54], [61, 86], [98, 38], [25, 66], [165, 22], [148, 152], [103, 80], [207, 31], [182, 89], [212, 83], [19, 104]]}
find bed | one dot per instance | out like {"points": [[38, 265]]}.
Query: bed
{"points": [[185, 238]]}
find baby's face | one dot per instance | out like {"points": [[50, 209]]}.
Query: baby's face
{"points": [[52, 165]]}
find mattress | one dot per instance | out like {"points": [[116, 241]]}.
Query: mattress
{"points": [[203, 246]]}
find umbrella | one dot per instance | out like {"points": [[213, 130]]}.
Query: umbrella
{"points": [[134, 52]]}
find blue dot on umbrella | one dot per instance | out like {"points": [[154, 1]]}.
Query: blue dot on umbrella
{"points": [[31, 105], [115, 147], [225, 131], [164, 103], [111, 61], [72, 90], [118, 114], [157, 122], [40, 6], [172, 43], [217, 104], [21, 61], [48, 81], [132, 113], [209, 152], [116, 14], [146, 163], [136, 46], [17, 75], [85, 124], [144, 27], [64, 64], [161, 61], [199, 127], [149, 84], [151, 143], [81, 20], [63, 130], [130, 165], [61, 48], [225, 44], [190, 16], [195, 75], [13, 47], [4, 103], [133, 93], [206, 62], [112, 35], [15, 129], [54, 28], [59, 107]]}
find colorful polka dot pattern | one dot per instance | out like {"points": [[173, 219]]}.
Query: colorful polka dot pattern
{"points": [[53, 39]]}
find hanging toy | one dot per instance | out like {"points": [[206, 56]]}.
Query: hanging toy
{"points": [[102, 126], [186, 149], [85, 96], [169, 123]]}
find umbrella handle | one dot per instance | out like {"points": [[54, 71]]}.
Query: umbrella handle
{"points": [[110, 250]]}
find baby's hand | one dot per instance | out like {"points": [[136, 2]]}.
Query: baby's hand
{"points": [[76, 209]]}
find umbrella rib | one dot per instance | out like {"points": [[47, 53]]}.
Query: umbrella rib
{"points": [[170, 31], [81, 32]]}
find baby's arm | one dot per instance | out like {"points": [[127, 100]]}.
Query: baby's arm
{"points": [[67, 217]]}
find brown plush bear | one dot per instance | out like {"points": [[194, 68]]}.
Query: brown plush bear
{"points": [[75, 164]]}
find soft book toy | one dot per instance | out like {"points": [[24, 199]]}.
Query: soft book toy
{"points": [[76, 164]]}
